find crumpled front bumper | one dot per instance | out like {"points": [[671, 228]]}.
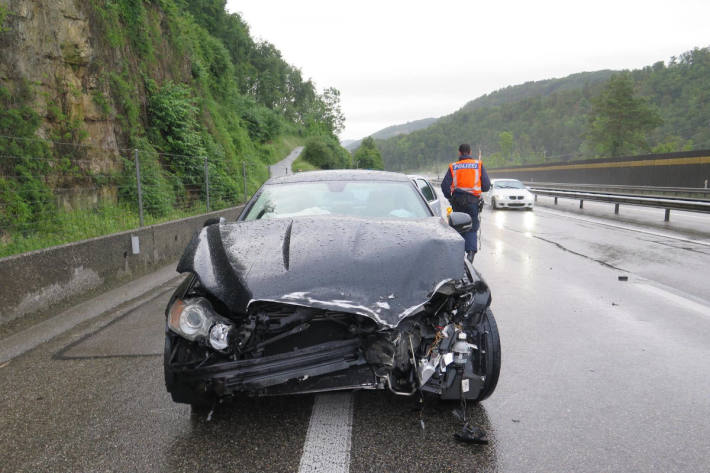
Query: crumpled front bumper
{"points": [[293, 371]]}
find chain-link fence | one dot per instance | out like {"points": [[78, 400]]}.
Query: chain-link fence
{"points": [[53, 192]]}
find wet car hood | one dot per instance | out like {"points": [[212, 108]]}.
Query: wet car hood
{"points": [[382, 269]]}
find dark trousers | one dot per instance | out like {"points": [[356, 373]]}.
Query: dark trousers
{"points": [[467, 203]]}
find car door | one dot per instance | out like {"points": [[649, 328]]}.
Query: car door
{"points": [[429, 194]]}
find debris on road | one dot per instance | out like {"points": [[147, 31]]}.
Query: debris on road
{"points": [[472, 434]]}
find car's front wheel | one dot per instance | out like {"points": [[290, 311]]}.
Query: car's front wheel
{"points": [[490, 353], [494, 206]]}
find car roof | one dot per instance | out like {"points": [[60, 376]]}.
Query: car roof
{"points": [[417, 176], [339, 175]]}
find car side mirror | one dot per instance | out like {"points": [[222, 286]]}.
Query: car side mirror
{"points": [[461, 222]]}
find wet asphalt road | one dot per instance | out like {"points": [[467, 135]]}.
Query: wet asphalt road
{"points": [[283, 167], [598, 374]]}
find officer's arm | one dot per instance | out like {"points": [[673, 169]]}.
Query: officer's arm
{"points": [[485, 181], [446, 184]]}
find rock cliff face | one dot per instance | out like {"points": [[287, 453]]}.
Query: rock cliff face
{"points": [[181, 81], [48, 45]]}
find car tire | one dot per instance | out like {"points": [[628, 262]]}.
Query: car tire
{"points": [[182, 392], [485, 334], [494, 206], [490, 338], [529, 209]]}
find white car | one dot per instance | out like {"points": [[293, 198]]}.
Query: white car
{"points": [[509, 193]]}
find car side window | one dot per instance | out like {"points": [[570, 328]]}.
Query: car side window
{"points": [[433, 192], [426, 190]]}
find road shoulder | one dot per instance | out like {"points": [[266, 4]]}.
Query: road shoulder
{"points": [[31, 337]]}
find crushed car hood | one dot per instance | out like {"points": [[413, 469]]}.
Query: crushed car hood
{"points": [[382, 269]]}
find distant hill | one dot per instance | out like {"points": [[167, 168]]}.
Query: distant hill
{"points": [[542, 88], [390, 131], [548, 119]]}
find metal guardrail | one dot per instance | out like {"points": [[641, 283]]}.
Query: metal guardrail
{"points": [[668, 203], [646, 196], [693, 192]]}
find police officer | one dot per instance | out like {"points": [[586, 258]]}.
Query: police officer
{"points": [[462, 185]]}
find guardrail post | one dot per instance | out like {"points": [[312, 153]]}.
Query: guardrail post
{"points": [[535, 197], [555, 200], [667, 218], [581, 204], [140, 191], [616, 209], [207, 185]]}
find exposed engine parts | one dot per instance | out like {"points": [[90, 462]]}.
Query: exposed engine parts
{"points": [[438, 349]]}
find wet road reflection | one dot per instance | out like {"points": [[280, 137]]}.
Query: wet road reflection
{"points": [[388, 436], [241, 435], [598, 374]]}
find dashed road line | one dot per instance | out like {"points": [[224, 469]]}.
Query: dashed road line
{"points": [[327, 445]]}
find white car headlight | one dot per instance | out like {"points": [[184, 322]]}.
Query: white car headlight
{"points": [[194, 319], [219, 336]]}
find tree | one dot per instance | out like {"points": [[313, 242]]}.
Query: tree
{"points": [[505, 141], [619, 121], [367, 156], [325, 152], [332, 115]]}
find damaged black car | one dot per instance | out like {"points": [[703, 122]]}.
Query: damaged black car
{"points": [[331, 280]]}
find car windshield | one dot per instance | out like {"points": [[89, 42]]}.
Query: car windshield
{"points": [[353, 198], [509, 185]]}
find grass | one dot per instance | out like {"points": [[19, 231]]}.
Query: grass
{"points": [[111, 218], [86, 223], [301, 164]]}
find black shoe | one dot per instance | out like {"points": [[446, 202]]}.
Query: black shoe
{"points": [[470, 255]]}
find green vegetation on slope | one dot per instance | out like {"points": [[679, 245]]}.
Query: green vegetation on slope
{"points": [[301, 165], [325, 152], [619, 121], [553, 120], [394, 130], [367, 156], [183, 81]]}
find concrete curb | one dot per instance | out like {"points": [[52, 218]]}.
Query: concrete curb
{"points": [[129, 294], [52, 279]]}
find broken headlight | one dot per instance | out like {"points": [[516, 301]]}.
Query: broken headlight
{"points": [[195, 320], [219, 336]]}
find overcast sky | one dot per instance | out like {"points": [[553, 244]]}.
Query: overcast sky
{"points": [[397, 61]]}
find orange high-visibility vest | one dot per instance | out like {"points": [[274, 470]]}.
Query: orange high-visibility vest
{"points": [[466, 176]]}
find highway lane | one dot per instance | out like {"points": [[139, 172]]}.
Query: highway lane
{"points": [[598, 375], [692, 224]]}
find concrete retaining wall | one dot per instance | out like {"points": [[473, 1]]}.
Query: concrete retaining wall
{"points": [[54, 278]]}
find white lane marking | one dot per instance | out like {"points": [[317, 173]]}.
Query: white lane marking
{"points": [[624, 227], [327, 445], [681, 300]]}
